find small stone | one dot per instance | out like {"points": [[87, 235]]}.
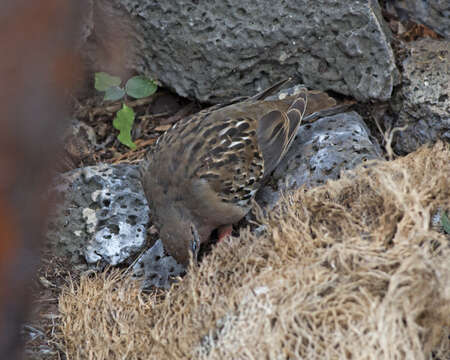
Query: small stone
{"points": [[155, 268]]}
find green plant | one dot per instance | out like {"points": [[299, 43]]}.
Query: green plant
{"points": [[137, 87], [124, 123]]}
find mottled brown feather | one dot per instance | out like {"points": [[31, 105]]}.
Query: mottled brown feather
{"points": [[204, 171]]}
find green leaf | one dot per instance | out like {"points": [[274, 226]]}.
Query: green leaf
{"points": [[114, 93], [140, 87], [104, 81], [445, 222], [124, 123]]}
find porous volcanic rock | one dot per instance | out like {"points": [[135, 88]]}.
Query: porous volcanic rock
{"points": [[216, 50]]}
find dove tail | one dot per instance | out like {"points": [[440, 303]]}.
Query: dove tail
{"points": [[270, 91], [317, 101]]}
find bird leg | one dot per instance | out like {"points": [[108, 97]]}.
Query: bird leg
{"points": [[223, 232]]}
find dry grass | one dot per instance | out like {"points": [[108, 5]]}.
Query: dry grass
{"points": [[349, 270]]}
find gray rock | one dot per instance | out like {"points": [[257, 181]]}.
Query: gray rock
{"points": [[80, 129], [433, 13], [320, 152], [103, 217], [154, 268], [79, 142], [216, 50], [424, 100]]}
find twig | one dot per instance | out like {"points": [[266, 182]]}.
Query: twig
{"points": [[390, 136], [107, 110], [379, 128], [139, 145], [154, 116], [183, 112]]}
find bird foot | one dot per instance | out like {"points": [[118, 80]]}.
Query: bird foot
{"points": [[223, 232]]}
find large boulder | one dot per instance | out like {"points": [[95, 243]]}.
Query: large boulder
{"points": [[216, 50]]}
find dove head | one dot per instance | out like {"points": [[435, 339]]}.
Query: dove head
{"points": [[181, 240]]}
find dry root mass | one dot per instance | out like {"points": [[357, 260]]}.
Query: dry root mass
{"points": [[354, 269]]}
